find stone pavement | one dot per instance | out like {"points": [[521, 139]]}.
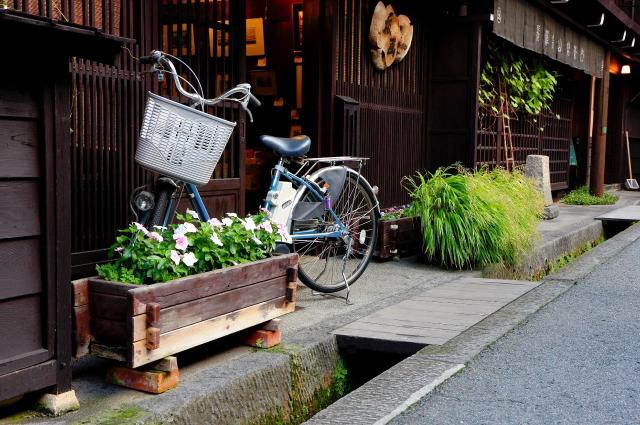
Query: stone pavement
{"points": [[223, 382], [574, 362]]}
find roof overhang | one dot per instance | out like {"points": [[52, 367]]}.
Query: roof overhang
{"points": [[34, 35]]}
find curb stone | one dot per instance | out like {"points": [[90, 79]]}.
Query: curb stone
{"points": [[385, 397]]}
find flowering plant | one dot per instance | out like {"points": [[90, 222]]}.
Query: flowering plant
{"points": [[190, 247], [394, 213]]}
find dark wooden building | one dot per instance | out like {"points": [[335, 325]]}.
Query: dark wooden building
{"points": [[35, 198], [310, 63]]}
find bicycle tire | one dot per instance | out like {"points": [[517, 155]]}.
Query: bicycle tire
{"points": [[160, 208], [363, 217]]}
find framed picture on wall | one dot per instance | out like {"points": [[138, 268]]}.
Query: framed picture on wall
{"points": [[263, 82], [296, 20], [255, 37]]}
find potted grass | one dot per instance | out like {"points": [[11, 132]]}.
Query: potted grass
{"points": [[476, 218], [399, 233], [172, 288]]}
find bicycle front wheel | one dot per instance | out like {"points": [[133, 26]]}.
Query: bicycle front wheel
{"points": [[329, 264]]}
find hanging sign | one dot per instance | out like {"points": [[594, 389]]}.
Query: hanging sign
{"points": [[390, 36], [526, 26]]}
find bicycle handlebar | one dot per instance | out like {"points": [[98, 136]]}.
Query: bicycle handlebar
{"points": [[157, 57]]}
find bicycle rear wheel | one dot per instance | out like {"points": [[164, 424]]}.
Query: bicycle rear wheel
{"points": [[329, 264]]}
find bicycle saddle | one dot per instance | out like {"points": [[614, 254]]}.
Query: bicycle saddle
{"points": [[293, 147]]}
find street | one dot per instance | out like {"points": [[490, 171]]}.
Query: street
{"points": [[576, 361]]}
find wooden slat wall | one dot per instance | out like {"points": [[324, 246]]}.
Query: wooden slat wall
{"points": [[528, 139], [392, 102], [102, 14], [108, 105]]}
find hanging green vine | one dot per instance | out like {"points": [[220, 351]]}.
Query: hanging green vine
{"points": [[527, 84]]}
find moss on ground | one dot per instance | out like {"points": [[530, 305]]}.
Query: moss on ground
{"points": [[127, 415], [564, 260], [300, 409]]}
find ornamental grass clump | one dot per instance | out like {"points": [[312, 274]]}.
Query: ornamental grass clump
{"points": [[164, 253], [475, 218]]}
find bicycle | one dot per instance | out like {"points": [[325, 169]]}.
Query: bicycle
{"points": [[328, 209]]}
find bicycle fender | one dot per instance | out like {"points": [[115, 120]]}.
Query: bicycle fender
{"points": [[335, 176]]}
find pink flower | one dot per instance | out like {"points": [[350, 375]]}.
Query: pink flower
{"points": [[175, 257], [155, 236], [216, 240], [189, 259], [282, 231], [267, 226], [181, 242], [119, 249], [214, 222], [141, 228]]}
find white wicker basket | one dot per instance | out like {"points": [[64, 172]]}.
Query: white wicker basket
{"points": [[181, 142]]}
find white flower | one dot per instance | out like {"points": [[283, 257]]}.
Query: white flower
{"points": [[160, 227], [189, 259], [232, 214], [216, 240], [175, 257], [249, 224], [257, 241], [227, 221], [185, 228], [214, 222], [192, 213]]}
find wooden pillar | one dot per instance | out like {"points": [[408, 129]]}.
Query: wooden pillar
{"points": [[600, 139]]}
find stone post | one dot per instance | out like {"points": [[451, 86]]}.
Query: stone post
{"points": [[537, 168]]}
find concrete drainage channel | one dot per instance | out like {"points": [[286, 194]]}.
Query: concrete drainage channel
{"points": [[310, 377], [395, 389]]}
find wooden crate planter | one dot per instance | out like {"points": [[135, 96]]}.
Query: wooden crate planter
{"points": [[140, 324], [397, 238]]}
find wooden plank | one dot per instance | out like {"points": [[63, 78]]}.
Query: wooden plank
{"points": [[19, 149], [630, 213], [111, 288], [214, 282], [18, 100], [109, 332], [199, 333], [106, 306], [436, 315], [20, 326], [19, 209], [27, 380], [413, 332], [394, 321], [203, 309], [20, 268], [23, 360]]}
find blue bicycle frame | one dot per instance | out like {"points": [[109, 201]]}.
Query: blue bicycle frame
{"points": [[279, 172]]}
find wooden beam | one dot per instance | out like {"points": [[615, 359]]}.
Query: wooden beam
{"points": [[190, 336], [600, 141]]}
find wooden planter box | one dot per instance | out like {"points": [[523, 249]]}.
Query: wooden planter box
{"points": [[140, 324], [398, 238]]}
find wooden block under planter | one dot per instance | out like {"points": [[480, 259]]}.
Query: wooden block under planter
{"points": [[398, 237], [140, 324]]}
